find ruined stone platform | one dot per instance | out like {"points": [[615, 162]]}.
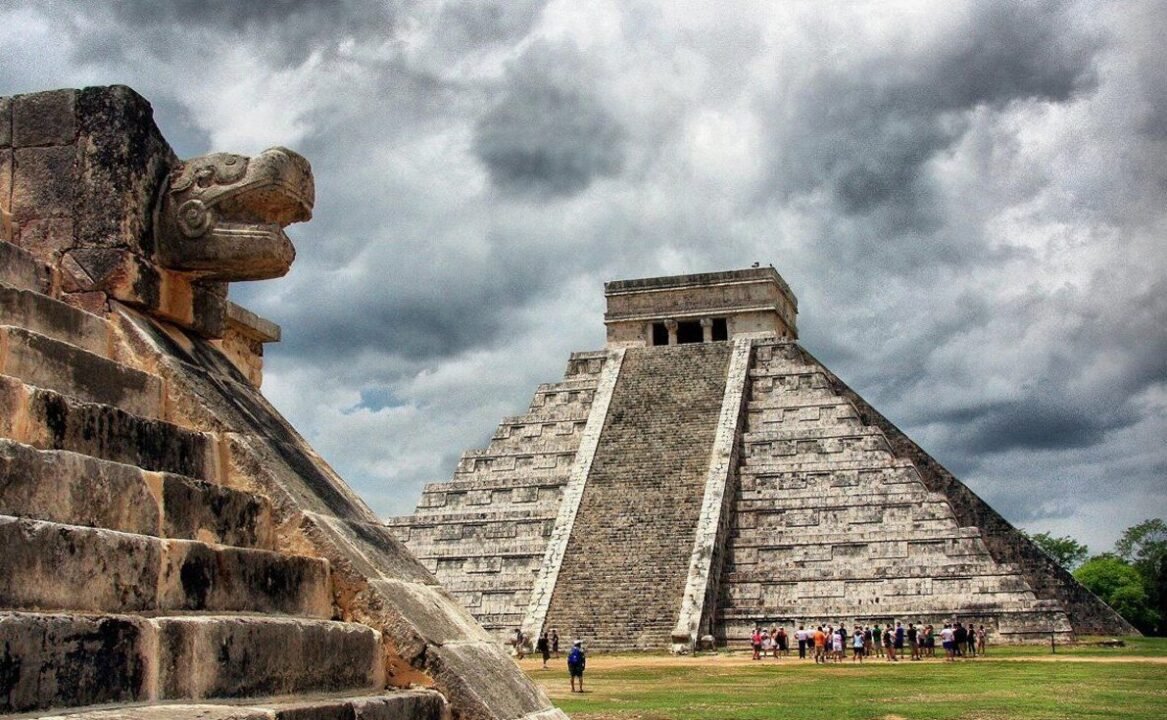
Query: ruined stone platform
{"points": [[172, 547], [705, 473]]}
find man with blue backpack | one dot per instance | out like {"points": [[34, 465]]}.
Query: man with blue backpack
{"points": [[575, 664]]}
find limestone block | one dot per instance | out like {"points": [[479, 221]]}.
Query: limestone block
{"points": [[200, 577], [411, 704], [123, 160], [43, 183], [69, 660], [75, 489], [180, 711], [75, 568], [5, 122], [54, 319], [6, 161], [264, 656], [50, 421], [69, 370], [483, 681], [212, 513], [425, 614], [20, 269], [45, 118]]}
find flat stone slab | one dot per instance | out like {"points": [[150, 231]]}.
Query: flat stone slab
{"points": [[76, 568], [54, 319], [42, 361], [49, 420], [264, 656], [70, 660], [402, 705]]}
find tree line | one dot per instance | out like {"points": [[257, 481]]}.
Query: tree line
{"points": [[1132, 578]]}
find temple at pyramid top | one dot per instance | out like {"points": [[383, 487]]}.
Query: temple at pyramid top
{"points": [[704, 307]]}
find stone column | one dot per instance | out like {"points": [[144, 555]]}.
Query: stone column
{"points": [[671, 326], [706, 329]]}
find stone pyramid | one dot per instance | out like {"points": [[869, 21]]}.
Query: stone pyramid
{"points": [[705, 473], [172, 548]]}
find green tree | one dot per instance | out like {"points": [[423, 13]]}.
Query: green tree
{"points": [[1144, 546], [1121, 586], [1066, 550]]}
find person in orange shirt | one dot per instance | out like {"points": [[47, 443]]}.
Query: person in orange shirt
{"points": [[820, 645]]}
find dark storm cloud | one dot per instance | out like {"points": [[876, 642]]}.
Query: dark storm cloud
{"points": [[548, 133], [284, 30], [1047, 420], [866, 132]]}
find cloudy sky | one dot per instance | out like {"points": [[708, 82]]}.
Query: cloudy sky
{"points": [[967, 198]]}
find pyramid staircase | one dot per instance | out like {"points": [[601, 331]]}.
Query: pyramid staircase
{"points": [[484, 533], [624, 571], [173, 550]]}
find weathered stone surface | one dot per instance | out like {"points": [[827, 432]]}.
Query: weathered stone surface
{"points": [[65, 567], [622, 577], [54, 319], [402, 705], [429, 612], [68, 660], [212, 513], [7, 232], [64, 368], [45, 118], [50, 421], [75, 489], [43, 182], [269, 656], [480, 676], [20, 269], [122, 162], [5, 122], [196, 576]]}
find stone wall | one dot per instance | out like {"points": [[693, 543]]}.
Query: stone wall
{"points": [[622, 577], [834, 523], [1046, 577]]}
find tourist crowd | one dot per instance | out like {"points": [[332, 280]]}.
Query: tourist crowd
{"points": [[831, 644]]}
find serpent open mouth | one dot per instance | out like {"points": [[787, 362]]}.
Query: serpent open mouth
{"points": [[223, 216]]}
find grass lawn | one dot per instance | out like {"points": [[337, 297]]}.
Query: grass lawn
{"points": [[1016, 682]]}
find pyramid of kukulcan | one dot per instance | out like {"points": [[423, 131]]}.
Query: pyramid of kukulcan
{"points": [[704, 473]]}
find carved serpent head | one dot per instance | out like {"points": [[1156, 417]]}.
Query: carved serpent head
{"points": [[223, 215]]}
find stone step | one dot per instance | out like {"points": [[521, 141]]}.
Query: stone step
{"points": [[49, 420], [74, 489], [83, 569], [20, 269], [832, 431], [264, 656], [67, 369], [54, 319], [74, 660], [393, 705]]}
